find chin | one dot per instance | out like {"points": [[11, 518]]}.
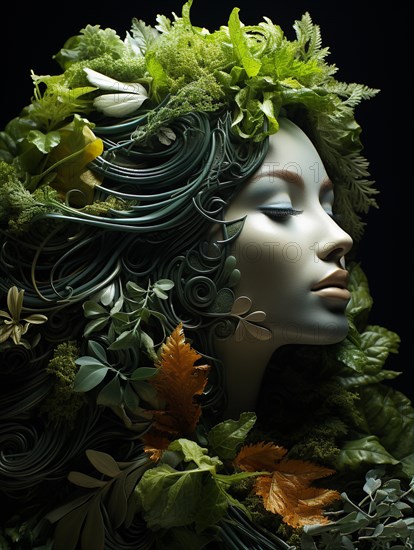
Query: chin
{"points": [[334, 336], [320, 333]]}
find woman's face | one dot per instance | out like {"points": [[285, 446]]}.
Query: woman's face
{"points": [[291, 251]]}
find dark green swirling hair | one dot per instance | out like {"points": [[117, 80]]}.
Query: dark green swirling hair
{"points": [[121, 163], [111, 180]]}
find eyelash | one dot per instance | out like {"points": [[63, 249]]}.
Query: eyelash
{"points": [[283, 213], [280, 213]]}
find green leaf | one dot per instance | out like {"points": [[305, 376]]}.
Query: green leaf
{"points": [[367, 379], [377, 343], [212, 507], [351, 356], [68, 529], [229, 479], [116, 308], [364, 450], [103, 462], [44, 142], [148, 344], [193, 452], [93, 532], [83, 480], [371, 485], [88, 377], [169, 498], [92, 309], [121, 321], [106, 295], [223, 301], [135, 291], [164, 284], [225, 437], [125, 340], [95, 325], [158, 315], [389, 415], [240, 45], [407, 465], [361, 300], [160, 293], [98, 351], [111, 394], [58, 513], [143, 373], [131, 399], [118, 505], [90, 361], [147, 393]]}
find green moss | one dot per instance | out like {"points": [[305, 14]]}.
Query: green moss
{"points": [[124, 69], [62, 403], [102, 208]]}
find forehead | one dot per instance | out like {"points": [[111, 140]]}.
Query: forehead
{"points": [[292, 152]]}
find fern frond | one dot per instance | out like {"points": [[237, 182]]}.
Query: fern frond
{"points": [[309, 39], [353, 92]]}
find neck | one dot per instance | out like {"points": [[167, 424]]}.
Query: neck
{"points": [[244, 362]]}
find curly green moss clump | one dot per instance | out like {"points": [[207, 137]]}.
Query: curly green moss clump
{"points": [[125, 69], [18, 207], [63, 404]]}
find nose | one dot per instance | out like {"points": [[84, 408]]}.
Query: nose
{"points": [[335, 243]]}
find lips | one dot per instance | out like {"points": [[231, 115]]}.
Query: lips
{"points": [[333, 285]]}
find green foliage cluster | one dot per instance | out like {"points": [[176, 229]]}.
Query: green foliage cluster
{"points": [[91, 42], [118, 368], [126, 69], [183, 497], [334, 405], [255, 72], [357, 422], [383, 519], [382, 411], [18, 207], [107, 497]]}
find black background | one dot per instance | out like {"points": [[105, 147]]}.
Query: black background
{"points": [[368, 45]]}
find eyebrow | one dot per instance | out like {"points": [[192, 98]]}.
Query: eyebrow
{"points": [[287, 175], [293, 177]]}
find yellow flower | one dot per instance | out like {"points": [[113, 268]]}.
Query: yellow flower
{"points": [[12, 326]]}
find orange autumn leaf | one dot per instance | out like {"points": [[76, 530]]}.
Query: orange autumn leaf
{"points": [[259, 456], [305, 471], [287, 492], [309, 508], [178, 382], [155, 444], [154, 453]]}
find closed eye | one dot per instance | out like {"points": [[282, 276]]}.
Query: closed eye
{"points": [[279, 212]]}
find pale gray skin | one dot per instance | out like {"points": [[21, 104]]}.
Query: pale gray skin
{"points": [[282, 261]]}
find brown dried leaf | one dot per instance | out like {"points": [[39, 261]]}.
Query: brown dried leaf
{"points": [[259, 456], [287, 492], [177, 382], [155, 444], [309, 507], [306, 472]]}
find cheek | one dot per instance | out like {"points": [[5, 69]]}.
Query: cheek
{"points": [[272, 246], [271, 262]]}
